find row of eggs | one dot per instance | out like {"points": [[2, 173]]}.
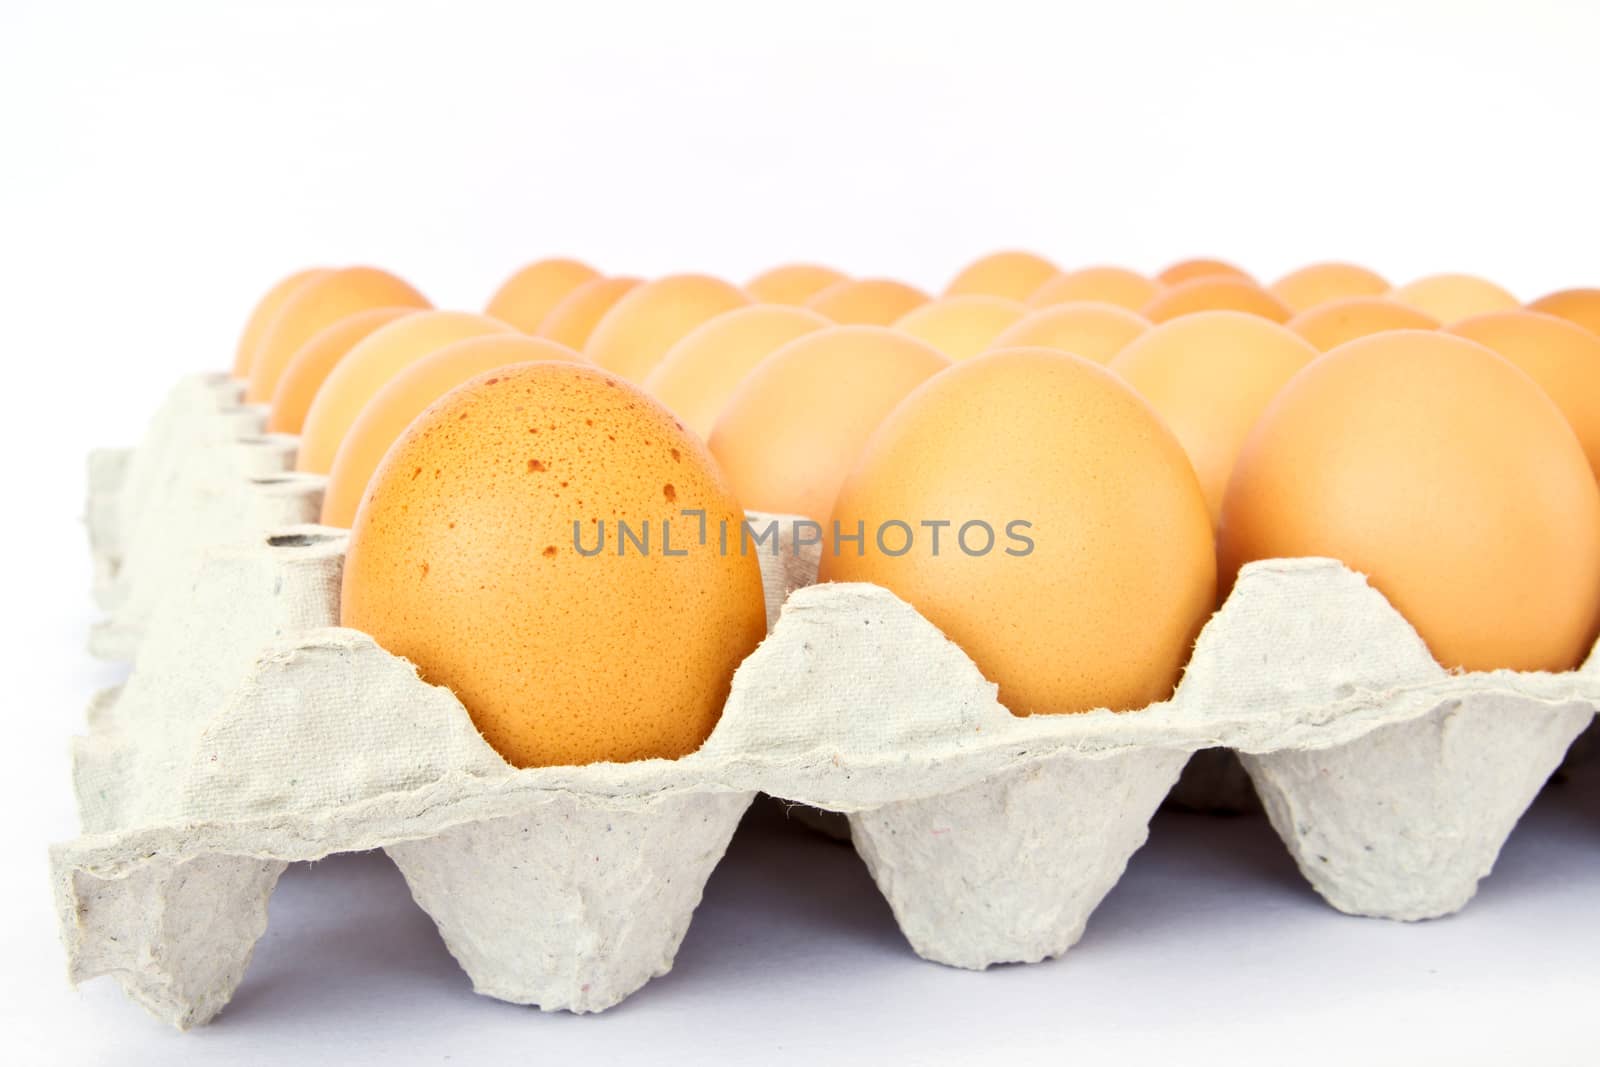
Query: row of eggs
{"points": [[1142, 437]]}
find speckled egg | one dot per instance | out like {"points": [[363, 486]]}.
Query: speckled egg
{"points": [[469, 558], [369, 366], [384, 418]]}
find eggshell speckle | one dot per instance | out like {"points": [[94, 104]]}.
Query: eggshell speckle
{"points": [[368, 366], [1104, 609], [405, 396], [463, 560], [1448, 477]]}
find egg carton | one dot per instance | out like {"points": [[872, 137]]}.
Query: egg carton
{"points": [[206, 473], [254, 732]]}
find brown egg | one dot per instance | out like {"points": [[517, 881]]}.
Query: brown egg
{"points": [[1012, 275], [699, 373], [368, 366], [467, 559], [793, 284], [1581, 306], [1094, 331], [1453, 297], [1444, 474], [1106, 285], [530, 294], [796, 423], [319, 303], [1209, 376], [1187, 270], [263, 315], [393, 407], [1322, 282], [1563, 357], [1077, 565], [316, 359], [961, 326], [1215, 294], [866, 301], [572, 320], [1327, 326], [633, 336]]}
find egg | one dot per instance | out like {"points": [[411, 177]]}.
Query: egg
{"points": [[961, 326], [315, 305], [405, 396], [1327, 326], [1563, 357], [1321, 282], [368, 366], [528, 295], [1092, 330], [1446, 476], [1106, 285], [699, 373], [1215, 293], [1581, 306], [794, 283], [866, 301], [1208, 376], [310, 367], [795, 424], [466, 559], [1453, 297], [1187, 270], [633, 336], [1077, 566], [265, 311], [1013, 275], [572, 320]]}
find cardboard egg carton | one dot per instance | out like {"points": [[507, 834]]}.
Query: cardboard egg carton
{"points": [[206, 473], [254, 732]]}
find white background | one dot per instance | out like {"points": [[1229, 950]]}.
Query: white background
{"points": [[161, 164]]}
